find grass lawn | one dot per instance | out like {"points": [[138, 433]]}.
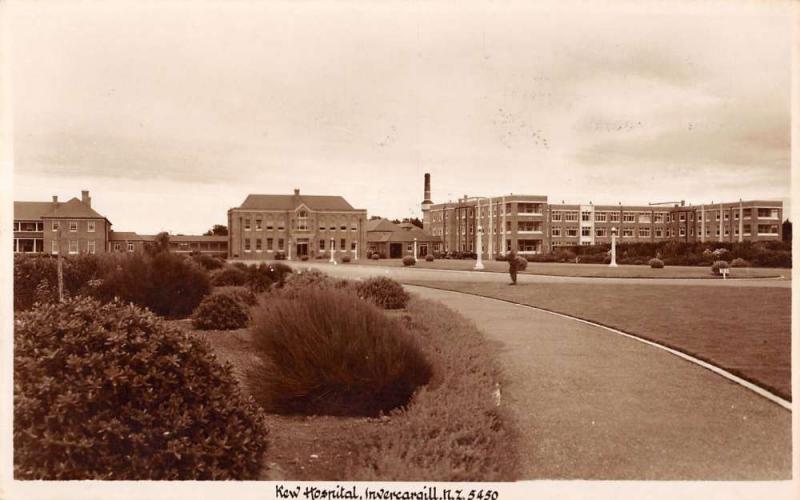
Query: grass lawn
{"points": [[451, 431], [589, 270], [746, 331]]}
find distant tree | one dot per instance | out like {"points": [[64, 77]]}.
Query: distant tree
{"points": [[415, 221], [395, 221], [217, 230], [375, 217], [787, 230], [159, 245]]}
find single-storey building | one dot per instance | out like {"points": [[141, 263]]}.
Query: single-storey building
{"points": [[395, 241]]}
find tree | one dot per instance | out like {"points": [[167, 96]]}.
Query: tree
{"points": [[160, 244], [787, 230], [415, 221], [217, 230], [375, 217]]}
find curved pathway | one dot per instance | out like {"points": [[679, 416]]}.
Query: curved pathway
{"points": [[593, 405]]}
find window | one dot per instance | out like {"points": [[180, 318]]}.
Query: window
{"points": [[716, 217], [659, 233], [117, 246], [556, 231], [767, 213], [130, 246], [736, 215], [529, 226], [269, 244], [748, 212], [333, 228], [90, 246], [342, 244], [90, 226], [747, 229], [258, 244], [682, 217], [572, 231], [658, 217], [508, 226], [247, 244], [629, 217], [73, 226], [333, 244], [556, 216], [571, 216], [682, 231], [727, 216], [644, 232], [73, 246], [16, 226], [302, 220], [343, 227], [270, 227], [322, 228], [353, 245], [601, 232], [627, 232], [322, 244], [644, 217], [613, 217], [767, 228], [247, 224], [258, 224], [354, 226], [727, 231], [699, 217], [586, 216], [55, 225], [586, 231], [600, 217], [54, 247]]}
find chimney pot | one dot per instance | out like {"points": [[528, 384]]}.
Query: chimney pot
{"points": [[296, 192]]}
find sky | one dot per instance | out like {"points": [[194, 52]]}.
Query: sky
{"points": [[172, 113]]}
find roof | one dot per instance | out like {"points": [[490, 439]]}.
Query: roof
{"points": [[124, 235], [384, 230], [31, 210], [290, 202], [73, 208], [127, 235], [187, 238]]}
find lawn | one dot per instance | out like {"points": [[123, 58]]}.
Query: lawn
{"points": [[744, 330], [451, 431], [589, 270]]}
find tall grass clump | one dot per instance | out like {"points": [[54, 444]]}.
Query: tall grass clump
{"points": [[113, 392], [327, 352]]}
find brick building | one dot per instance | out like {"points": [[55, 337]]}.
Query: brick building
{"points": [[70, 227], [133, 242], [295, 225], [395, 241], [530, 225]]}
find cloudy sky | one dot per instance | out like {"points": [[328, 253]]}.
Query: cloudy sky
{"points": [[172, 113]]}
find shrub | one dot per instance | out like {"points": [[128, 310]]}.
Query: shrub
{"points": [[429, 258], [230, 276], [296, 283], [279, 271], [240, 266], [656, 263], [522, 263], [739, 262], [304, 258], [383, 292], [409, 260], [260, 278], [326, 352], [242, 294], [167, 284], [720, 264], [280, 256], [32, 272], [375, 256], [112, 392], [346, 259], [221, 311], [208, 261]]}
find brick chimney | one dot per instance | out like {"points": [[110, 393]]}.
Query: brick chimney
{"points": [[296, 192], [55, 199], [86, 199]]}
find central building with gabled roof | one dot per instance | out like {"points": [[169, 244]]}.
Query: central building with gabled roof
{"points": [[270, 226]]}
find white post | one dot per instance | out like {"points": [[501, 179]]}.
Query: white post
{"points": [[415, 249], [491, 225], [333, 251], [702, 223], [613, 247], [289, 249], [479, 262], [355, 251], [741, 221]]}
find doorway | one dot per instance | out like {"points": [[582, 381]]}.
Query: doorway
{"points": [[395, 250]]}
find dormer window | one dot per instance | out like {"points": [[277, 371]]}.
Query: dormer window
{"points": [[302, 220]]}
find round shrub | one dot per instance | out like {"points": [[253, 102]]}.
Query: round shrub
{"points": [[429, 258], [346, 259], [208, 262], [327, 352], [230, 276], [656, 263], [113, 392], [522, 263], [409, 260], [260, 278], [243, 295], [375, 256], [298, 282], [739, 262], [165, 283], [304, 258], [716, 266], [383, 292], [280, 256], [221, 311]]}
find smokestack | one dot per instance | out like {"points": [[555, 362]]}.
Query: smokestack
{"points": [[86, 199], [427, 197]]}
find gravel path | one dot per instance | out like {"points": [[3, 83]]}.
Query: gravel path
{"points": [[593, 405]]}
